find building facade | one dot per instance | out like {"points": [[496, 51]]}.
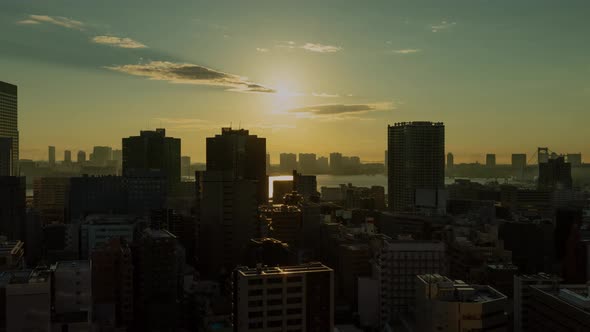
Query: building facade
{"points": [[9, 122]]}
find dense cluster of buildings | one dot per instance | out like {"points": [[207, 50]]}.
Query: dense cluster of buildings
{"points": [[144, 248]]}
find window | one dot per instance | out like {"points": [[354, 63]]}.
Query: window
{"points": [[255, 303], [274, 313], [274, 280], [293, 300], [275, 323], [255, 314], [294, 279], [255, 292], [274, 291], [274, 302], [253, 282], [294, 289], [294, 311]]}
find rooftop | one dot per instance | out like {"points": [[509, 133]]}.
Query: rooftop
{"points": [[265, 270], [446, 290]]}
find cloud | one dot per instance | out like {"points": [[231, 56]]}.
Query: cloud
{"points": [[320, 48], [189, 124], [407, 51], [56, 20], [310, 47], [118, 42], [186, 73], [262, 50], [324, 95], [442, 26], [340, 111]]}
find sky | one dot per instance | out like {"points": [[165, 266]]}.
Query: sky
{"points": [[504, 76]]}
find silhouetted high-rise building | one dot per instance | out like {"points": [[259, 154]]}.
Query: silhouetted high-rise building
{"points": [[185, 166], [72, 296], [305, 185], [228, 219], [555, 174], [152, 150], [50, 199], [416, 161], [117, 155], [490, 160], [9, 123], [242, 155], [336, 162], [157, 263], [12, 207], [101, 155], [450, 160], [51, 155], [288, 162], [81, 157], [67, 156], [6, 157]]}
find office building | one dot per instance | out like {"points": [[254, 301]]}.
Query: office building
{"points": [[242, 155], [81, 157], [112, 284], [269, 252], [51, 155], [12, 207], [97, 195], [554, 174], [61, 242], [98, 230], [28, 301], [280, 188], [9, 124], [575, 159], [285, 223], [307, 163], [67, 156], [490, 160], [287, 162], [101, 155], [185, 166], [397, 264], [446, 305], [51, 197], [323, 165], [72, 300], [559, 308], [117, 156], [152, 151], [336, 162], [305, 185], [157, 263], [450, 161], [6, 167], [228, 219], [291, 298], [522, 296], [416, 161]]}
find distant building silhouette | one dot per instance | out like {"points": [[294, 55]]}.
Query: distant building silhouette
{"points": [[9, 124], [81, 157], [51, 155], [450, 161], [555, 174], [416, 161], [152, 151], [101, 155], [307, 163], [288, 162], [242, 155], [575, 159], [12, 207], [490, 160], [67, 156], [519, 161]]}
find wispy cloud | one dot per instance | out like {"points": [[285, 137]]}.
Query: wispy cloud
{"points": [[340, 111], [310, 47], [320, 48], [325, 95], [442, 26], [406, 51], [262, 50], [56, 20], [118, 42], [186, 73]]}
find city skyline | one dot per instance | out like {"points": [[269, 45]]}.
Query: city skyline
{"points": [[347, 68]]}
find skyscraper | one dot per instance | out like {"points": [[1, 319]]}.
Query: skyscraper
{"points": [[101, 155], [152, 150], [288, 162], [6, 168], [450, 160], [416, 161], [67, 156], [51, 155], [242, 155], [555, 174], [9, 121], [81, 157], [490, 160], [518, 161]]}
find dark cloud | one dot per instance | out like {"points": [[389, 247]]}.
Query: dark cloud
{"points": [[186, 73], [340, 110]]}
